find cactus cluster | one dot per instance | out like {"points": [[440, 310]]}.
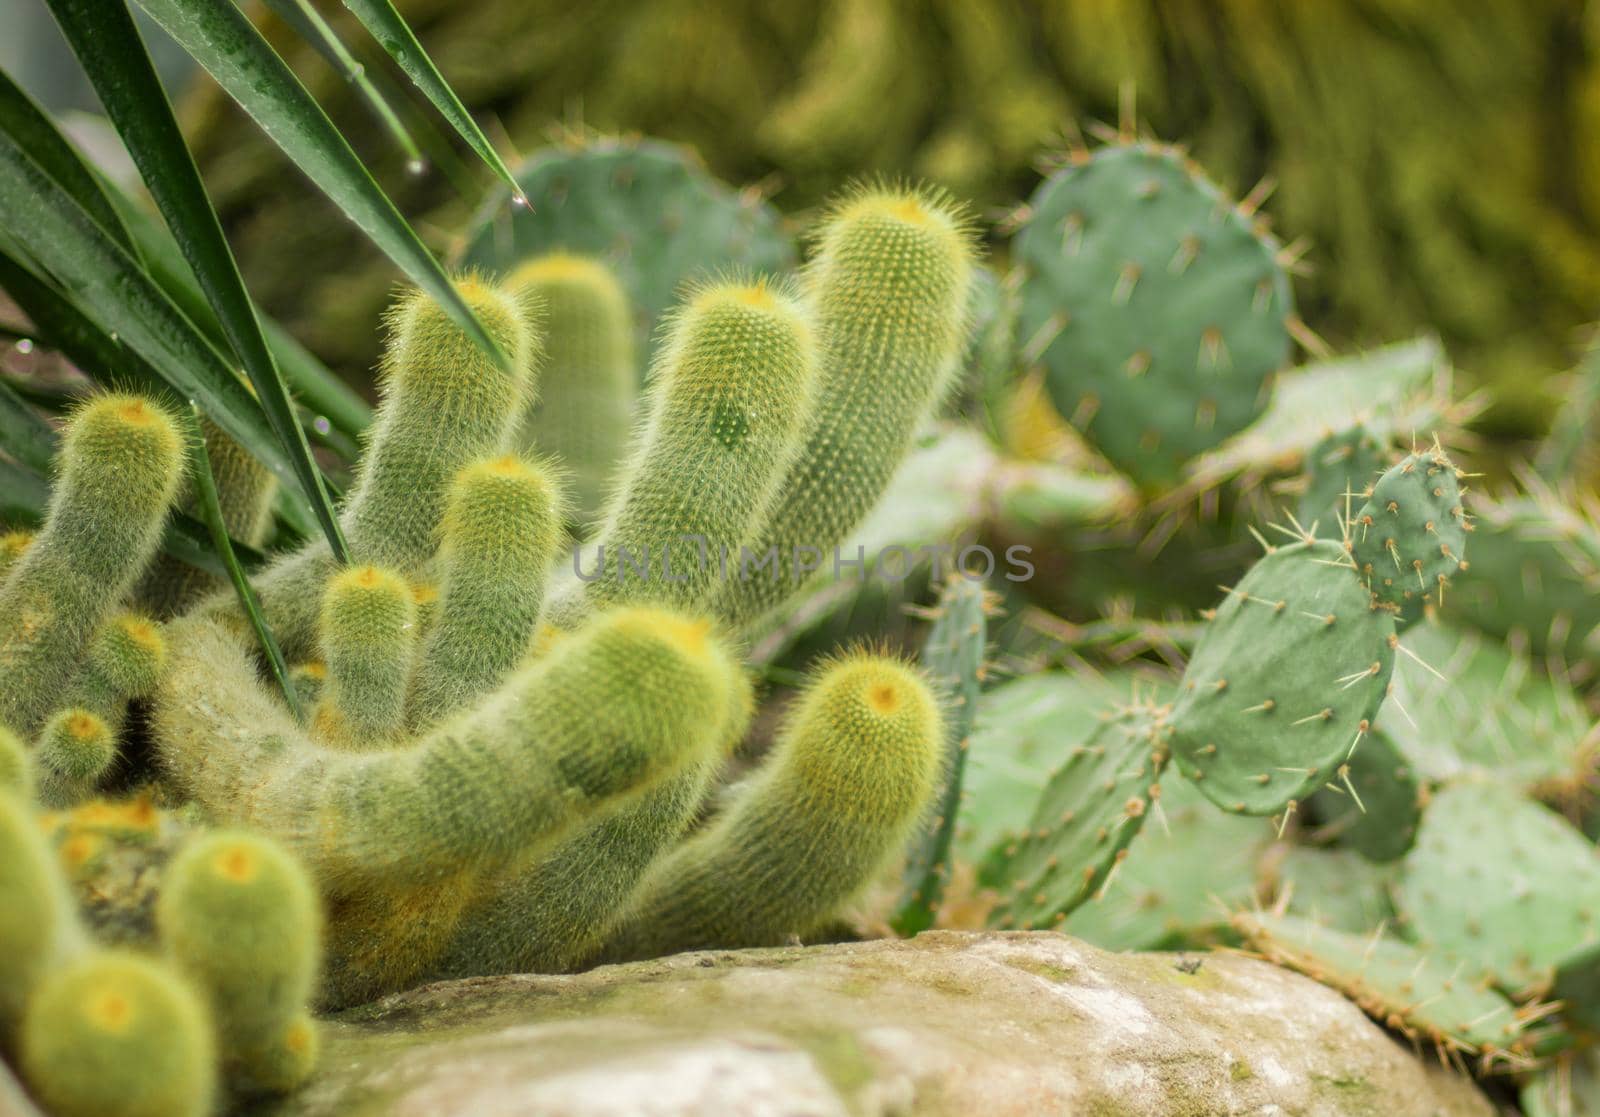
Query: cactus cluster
{"points": [[526, 727]]}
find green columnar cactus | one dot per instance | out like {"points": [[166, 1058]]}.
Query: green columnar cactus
{"points": [[727, 403], [1285, 682], [1158, 307], [369, 639], [585, 407], [550, 912], [245, 491], [37, 926], [855, 768], [120, 464], [501, 529], [1410, 536], [114, 1034], [241, 919], [445, 404], [890, 286], [953, 657], [401, 840], [1420, 994], [1092, 808]]}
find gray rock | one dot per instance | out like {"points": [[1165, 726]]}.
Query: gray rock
{"points": [[946, 1024]]}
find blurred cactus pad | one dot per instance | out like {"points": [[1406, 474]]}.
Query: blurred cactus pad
{"points": [[1436, 156]]}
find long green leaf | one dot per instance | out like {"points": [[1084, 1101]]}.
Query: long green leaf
{"points": [[112, 291], [205, 491], [25, 495], [221, 39], [103, 36], [23, 432], [308, 23], [33, 130], [393, 34], [318, 388]]}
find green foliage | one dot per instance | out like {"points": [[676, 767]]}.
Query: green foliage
{"points": [[1158, 309]]}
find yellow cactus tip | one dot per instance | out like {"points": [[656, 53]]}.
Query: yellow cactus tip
{"points": [[79, 849], [109, 1011], [143, 632], [507, 465], [884, 697], [235, 863], [556, 265], [136, 411], [84, 726], [420, 594], [756, 294], [366, 577], [299, 1038]]}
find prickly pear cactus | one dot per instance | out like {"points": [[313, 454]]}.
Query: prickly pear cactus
{"points": [[1535, 578], [1504, 883], [1339, 470], [1191, 866], [1159, 308], [1090, 811], [1334, 888], [1412, 991], [953, 658], [648, 209], [1285, 683], [1373, 803], [1410, 536]]}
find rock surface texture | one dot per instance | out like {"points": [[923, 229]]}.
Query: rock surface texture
{"points": [[948, 1023]]}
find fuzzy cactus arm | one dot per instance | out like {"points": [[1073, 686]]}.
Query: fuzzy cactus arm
{"points": [[585, 408], [889, 286], [114, 1034], [853, 772], [556, 742], [38, 927], [445, 404], [369, 637], [239, 916], [727, 406], [502, 527], [119, 467]]}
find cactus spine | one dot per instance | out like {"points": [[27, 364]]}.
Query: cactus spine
{"points": [[889, 286], [585, 406], [857, 764], [119, 468]]}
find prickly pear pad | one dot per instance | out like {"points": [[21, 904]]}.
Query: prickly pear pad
{"points": [[1504, 882], [1339, 470], [1092, 808], [1157, 306], [1410, 536], [1402, 987], [1284, 684]]}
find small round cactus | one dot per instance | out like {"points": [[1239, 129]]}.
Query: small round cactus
{"points": [[114, 1034]]}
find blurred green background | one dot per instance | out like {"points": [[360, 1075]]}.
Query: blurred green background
{"points": [[1441, 157]]}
